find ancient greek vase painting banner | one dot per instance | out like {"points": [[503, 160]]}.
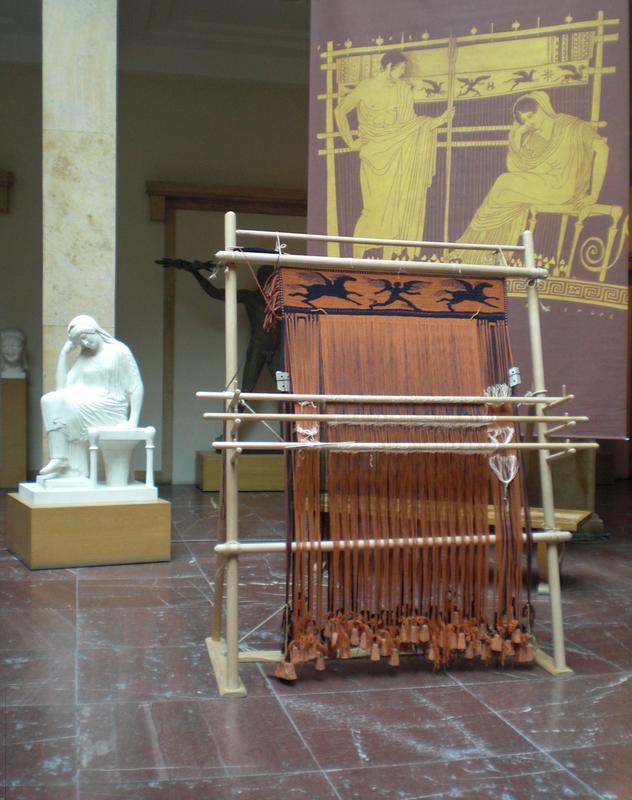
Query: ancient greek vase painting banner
{"points": [[472, 122]]}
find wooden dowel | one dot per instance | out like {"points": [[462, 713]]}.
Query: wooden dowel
{"points": [[381, 265], [561, 454], [319, 237], [238, 548], [557, 401], [472, 419], [417, 447], [403, 399], [569, 422]]}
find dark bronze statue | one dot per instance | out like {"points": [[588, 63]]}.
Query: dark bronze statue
{"points": [[263, 346]]}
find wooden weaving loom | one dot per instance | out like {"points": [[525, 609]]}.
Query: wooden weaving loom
{"points": [[389, 546]]}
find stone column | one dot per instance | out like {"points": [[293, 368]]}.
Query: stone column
{"points": [[79, 167]]}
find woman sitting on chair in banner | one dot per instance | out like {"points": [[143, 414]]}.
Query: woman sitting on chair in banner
{"points": [[549, 162]]}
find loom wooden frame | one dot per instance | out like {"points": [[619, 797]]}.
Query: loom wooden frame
{"points": [[224, 653]]}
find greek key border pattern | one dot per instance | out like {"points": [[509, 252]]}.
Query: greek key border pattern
{"points": [[608, 295]]}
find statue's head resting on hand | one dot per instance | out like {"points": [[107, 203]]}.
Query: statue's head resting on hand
{"points": [[85, 332]]}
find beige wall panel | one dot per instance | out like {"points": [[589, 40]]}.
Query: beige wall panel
{"points": [[79, 49], [79, 226]]}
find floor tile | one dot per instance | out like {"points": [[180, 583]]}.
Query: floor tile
{"points": [[123, 674], [181, 565], [36, 677], [189, 740], [37, 628], [61, 792], [11, 568], [513, 777], [37, 592], [611, 642], [40, 745], [347, 730], [297, 785], [155, 592], [138, 626], [605, 768], [568, 713]]}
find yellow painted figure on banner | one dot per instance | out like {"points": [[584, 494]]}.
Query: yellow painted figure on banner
{"points": [[397, 154], [553, 160]]}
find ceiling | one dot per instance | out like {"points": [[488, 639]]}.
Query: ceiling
{"points": [[262, 40]]}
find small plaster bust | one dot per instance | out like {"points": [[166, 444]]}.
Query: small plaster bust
{"points": [[13, 362]]}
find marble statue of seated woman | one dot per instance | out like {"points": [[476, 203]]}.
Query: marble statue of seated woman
{"points": [[103, 387]]}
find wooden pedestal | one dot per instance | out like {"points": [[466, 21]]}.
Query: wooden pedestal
{"points": [[13, 401], [257, 472], [88, 535]]}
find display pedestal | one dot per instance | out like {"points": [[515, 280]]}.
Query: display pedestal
{"points": [[13, 398], [258, 472], [48, 536], [574, 482]]}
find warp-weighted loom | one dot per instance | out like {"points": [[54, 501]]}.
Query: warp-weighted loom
{"points": [[392, 496]]}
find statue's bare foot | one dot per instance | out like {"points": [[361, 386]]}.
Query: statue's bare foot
{"points": [[55, 466]]}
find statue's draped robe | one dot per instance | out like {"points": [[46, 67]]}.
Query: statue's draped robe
{"points": [[97, 392], [540, 172], [397, 165]]}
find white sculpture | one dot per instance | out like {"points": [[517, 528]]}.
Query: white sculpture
{"points": [[13, 362], [103, 388]]}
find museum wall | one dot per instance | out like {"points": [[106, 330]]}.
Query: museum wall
{"points": [[171, 128], [21, 228]]}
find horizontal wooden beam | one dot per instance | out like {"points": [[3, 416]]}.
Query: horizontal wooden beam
{"points": [[205, 197]]}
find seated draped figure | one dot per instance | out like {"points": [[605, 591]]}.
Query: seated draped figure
{"points": [[103, 387]]}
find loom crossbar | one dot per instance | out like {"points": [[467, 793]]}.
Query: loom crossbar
{"points": [[382, 265], [237, 396], [326, 546], [416, 447], [225, 653], [429, 419], [319, 237]]}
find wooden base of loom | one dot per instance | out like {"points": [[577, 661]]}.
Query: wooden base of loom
{"points": [[545, 661], [218, 654], [253, 656]]}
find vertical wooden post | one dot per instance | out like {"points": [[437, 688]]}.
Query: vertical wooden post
{"points": [[168, 346], [546, 480], [231, 491], [333, 248]]}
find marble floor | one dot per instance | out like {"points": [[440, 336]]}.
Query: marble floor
{"points": [[107, 693]]}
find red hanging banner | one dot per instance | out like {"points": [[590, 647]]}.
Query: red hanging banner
{"points": [[454, 122]]}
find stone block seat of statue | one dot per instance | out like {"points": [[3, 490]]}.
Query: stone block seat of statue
{"points": [[96, 406]]}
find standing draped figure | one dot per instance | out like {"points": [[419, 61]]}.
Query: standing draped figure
{"points": [[397, 154]]}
